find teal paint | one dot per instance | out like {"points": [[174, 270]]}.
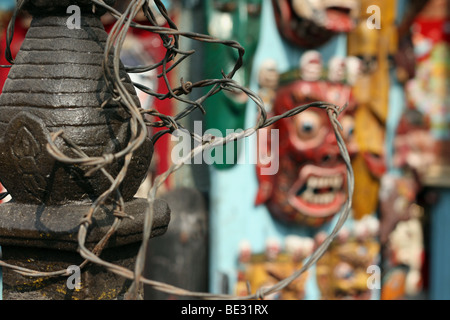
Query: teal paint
{"points": [[439, 243], [396, 108], [396, 103], [7, 5]]}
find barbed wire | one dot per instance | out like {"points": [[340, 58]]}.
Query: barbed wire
{"points": [[170, 37]]}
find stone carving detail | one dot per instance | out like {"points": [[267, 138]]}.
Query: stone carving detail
{"points": [[57, 83]]}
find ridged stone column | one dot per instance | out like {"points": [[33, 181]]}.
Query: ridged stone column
{"points": [[57, 83]]}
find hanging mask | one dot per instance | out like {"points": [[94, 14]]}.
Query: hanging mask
{"points": [[311, 23]]}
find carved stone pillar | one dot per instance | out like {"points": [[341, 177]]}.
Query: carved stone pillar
{"points": [[57, 83]]}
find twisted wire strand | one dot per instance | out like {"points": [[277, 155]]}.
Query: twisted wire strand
{"points": [[170, 37]]}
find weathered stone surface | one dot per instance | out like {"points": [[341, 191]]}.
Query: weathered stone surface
{"points": [[46, 239], [183, 249], [58, 83], [56, 227], [96, 282]]}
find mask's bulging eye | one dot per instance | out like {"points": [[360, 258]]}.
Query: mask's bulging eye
{"points": [[308, 124], [308, 127]]}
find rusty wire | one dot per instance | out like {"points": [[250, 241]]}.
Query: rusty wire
{"points": [[174, 56]]}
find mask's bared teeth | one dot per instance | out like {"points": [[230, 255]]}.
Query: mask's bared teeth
{"points": [[321, 190]]}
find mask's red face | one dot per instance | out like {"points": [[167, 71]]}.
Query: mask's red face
{"points": [[310, 185], [311, 23]]}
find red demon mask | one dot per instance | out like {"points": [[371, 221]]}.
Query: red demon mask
{"points": [[311, 23], [309, 187]]}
